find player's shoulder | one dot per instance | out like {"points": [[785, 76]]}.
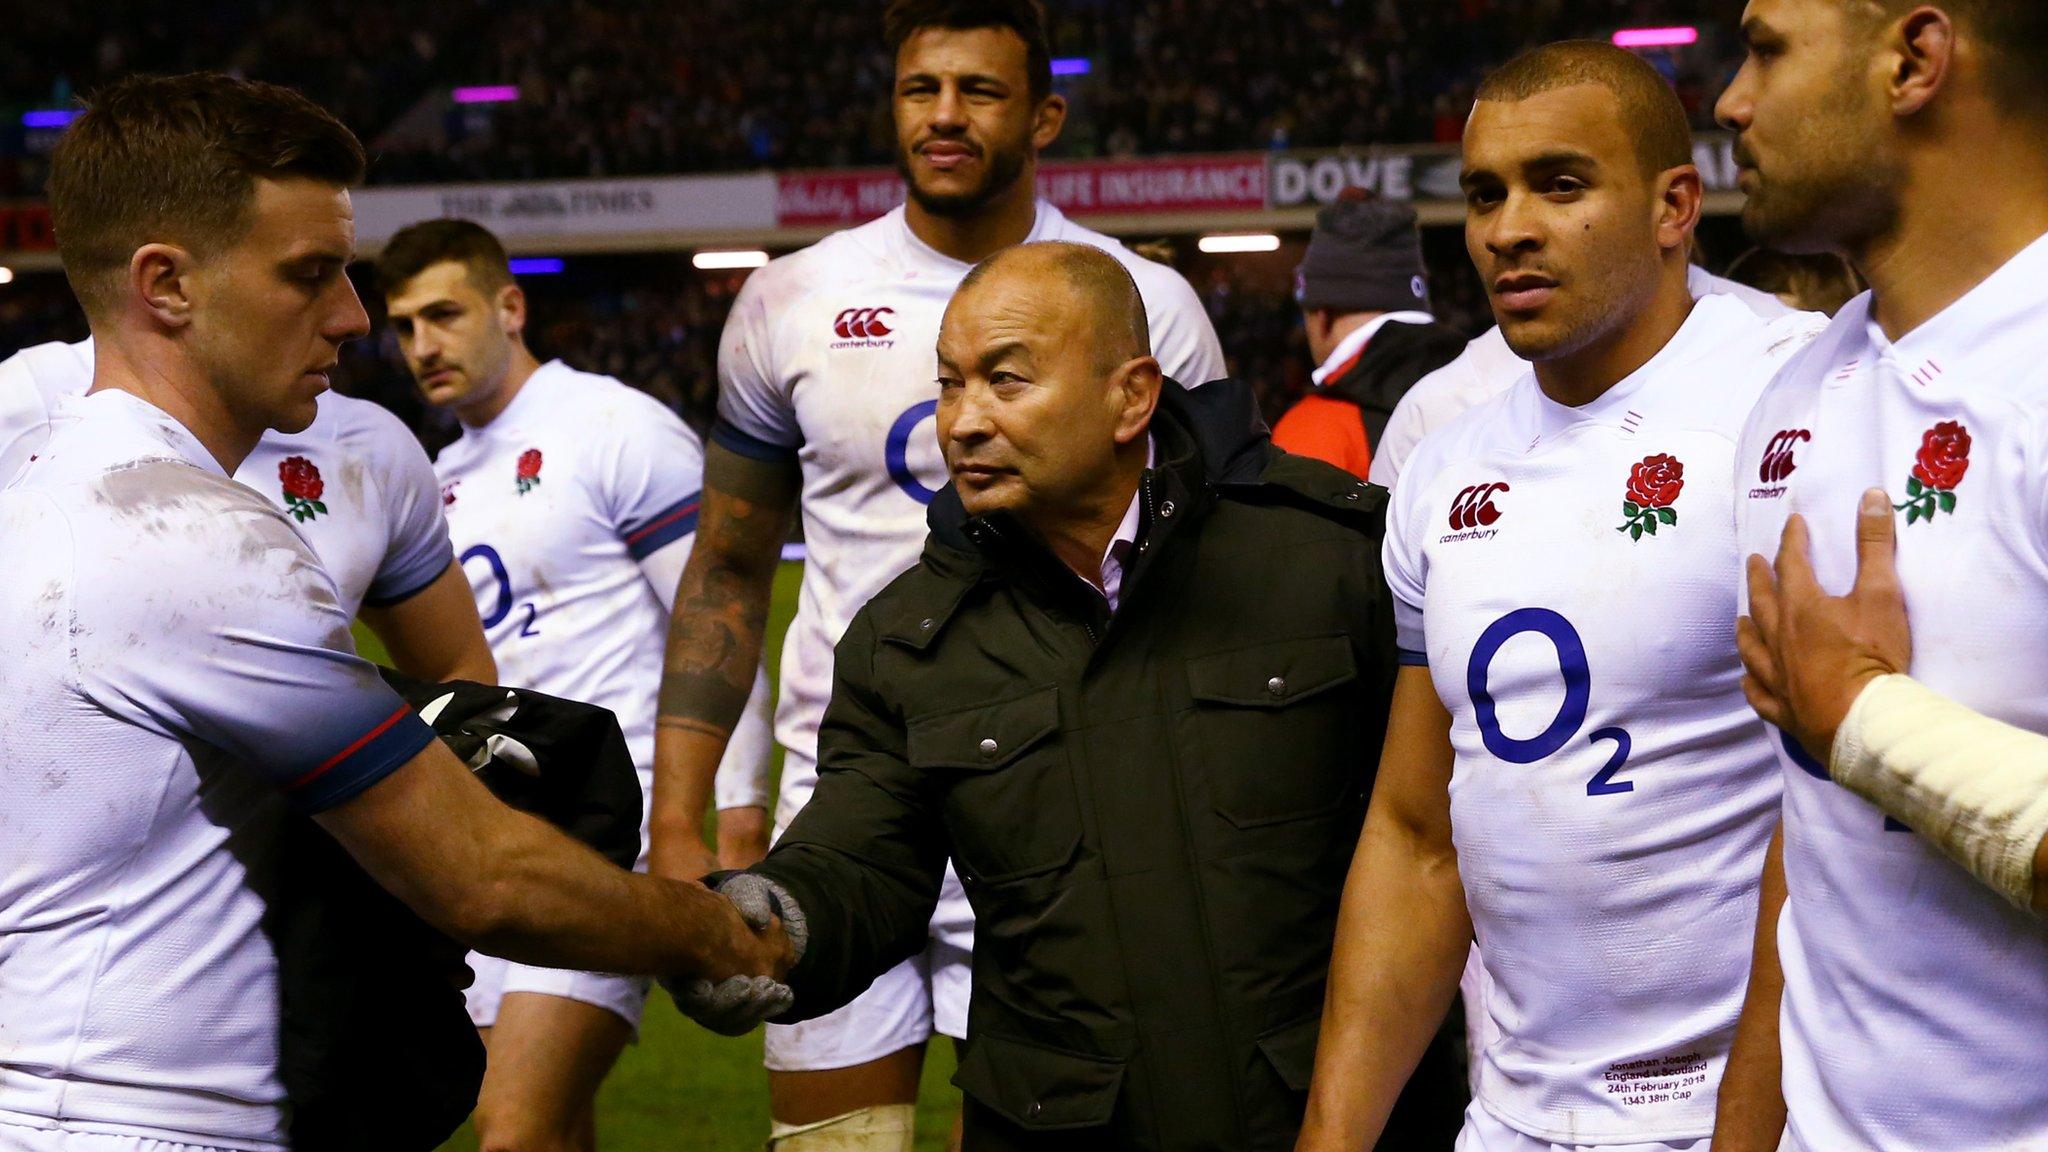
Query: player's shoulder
{"points": [[846, 256], [1483, 370], [611, 400], [1161, 285], [607, 411], [1488, 425], [1729, 352], [362, 428], [1833, 346], [49, 370]]}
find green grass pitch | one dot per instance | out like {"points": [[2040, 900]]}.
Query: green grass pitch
{"points": [[682, 1089]]}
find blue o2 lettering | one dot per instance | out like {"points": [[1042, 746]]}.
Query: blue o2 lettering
{"points": [[1603, 783], [1571, 714], [489, 555], [502, 607], [896, 451]]}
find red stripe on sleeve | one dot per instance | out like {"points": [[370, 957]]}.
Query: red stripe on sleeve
{"points": [[351, 750]]}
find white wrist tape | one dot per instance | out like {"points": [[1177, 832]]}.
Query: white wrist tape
{"points": [[1976, 787]]}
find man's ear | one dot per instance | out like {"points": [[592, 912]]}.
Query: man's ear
{"points": [[1923, 44], [1135, 385], [1047, 122], [160, 279], [512, 309], [1680, 197]]}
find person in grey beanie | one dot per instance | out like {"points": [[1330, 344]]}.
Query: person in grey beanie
{"points": [[1365, 306]]}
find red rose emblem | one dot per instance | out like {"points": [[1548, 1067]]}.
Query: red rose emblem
{"points": [[1653, 487], [529, 470], [302, 487], [1656, 482], [1944, 457], [1938, 467], [300, 478]]}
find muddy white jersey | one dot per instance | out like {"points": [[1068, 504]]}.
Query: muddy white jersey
{"points": [[1916, 1000], [355, 482], [1488, 366], [553, 505], [177, 668], [828, 359], [1567, 574]]}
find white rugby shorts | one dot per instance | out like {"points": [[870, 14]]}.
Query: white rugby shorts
{"points": [[903, 1008]]}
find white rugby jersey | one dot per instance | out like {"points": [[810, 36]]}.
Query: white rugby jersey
{"points": [[355, 481], [1916, 1000], [1568, 576], [829, 359], [1488, 366], [552, 506], [176, 662]]}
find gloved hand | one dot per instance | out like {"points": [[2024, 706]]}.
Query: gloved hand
{"points": [[735, 1005]]}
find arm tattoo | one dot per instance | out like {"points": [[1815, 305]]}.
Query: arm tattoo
{"points": [[721, 608]]}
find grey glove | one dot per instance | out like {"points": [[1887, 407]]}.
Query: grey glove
{"points": [[760, 900], [735, 1005]]}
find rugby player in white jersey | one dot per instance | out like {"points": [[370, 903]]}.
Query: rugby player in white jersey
{"points": [[826, 404], [1571, 773], [355, 482], [572, 500], [1487, 368], [1898, 1002], [178, 668]]}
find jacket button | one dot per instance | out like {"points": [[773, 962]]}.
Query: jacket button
{"points": [[1166, 510], [1035, 1109], [988, 747], [1277, 686], [1351, 496], [925, 624]]}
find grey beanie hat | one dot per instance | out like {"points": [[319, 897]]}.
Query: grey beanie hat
{"points": [[1365, 255]]}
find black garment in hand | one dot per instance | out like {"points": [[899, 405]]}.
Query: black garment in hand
{"points": [[377, 1050]]}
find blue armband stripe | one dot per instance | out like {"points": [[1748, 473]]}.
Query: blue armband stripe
{"points": [[730, 438], [374, 755], [668, 526]]}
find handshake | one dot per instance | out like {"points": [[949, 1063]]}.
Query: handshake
{"points": [[735, 1005]]}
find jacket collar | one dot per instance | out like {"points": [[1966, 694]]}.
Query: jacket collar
{"points": [[1210, 441]]}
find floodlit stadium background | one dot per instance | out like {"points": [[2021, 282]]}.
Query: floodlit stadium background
{"points": [[639, 156]]}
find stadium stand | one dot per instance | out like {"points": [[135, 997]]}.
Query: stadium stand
{"points": [[634, 87]]}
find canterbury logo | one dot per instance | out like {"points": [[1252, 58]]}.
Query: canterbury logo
{"points": [[863, 323], [1474, 507], [1778, 462]]}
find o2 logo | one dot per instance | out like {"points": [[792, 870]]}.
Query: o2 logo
{"points": [[896, 451], [1571, 715], [503, 606]]}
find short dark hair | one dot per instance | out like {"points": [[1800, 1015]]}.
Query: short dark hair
{"points": [[906, 18], [1650, 109], [420, 246], [176, 159], [2014, 37]]}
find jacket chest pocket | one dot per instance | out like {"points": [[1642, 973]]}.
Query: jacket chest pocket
{"points": [[1009, 791], [1275, 730]]}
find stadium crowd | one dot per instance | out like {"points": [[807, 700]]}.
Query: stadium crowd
{"points": [[605, 91]]}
